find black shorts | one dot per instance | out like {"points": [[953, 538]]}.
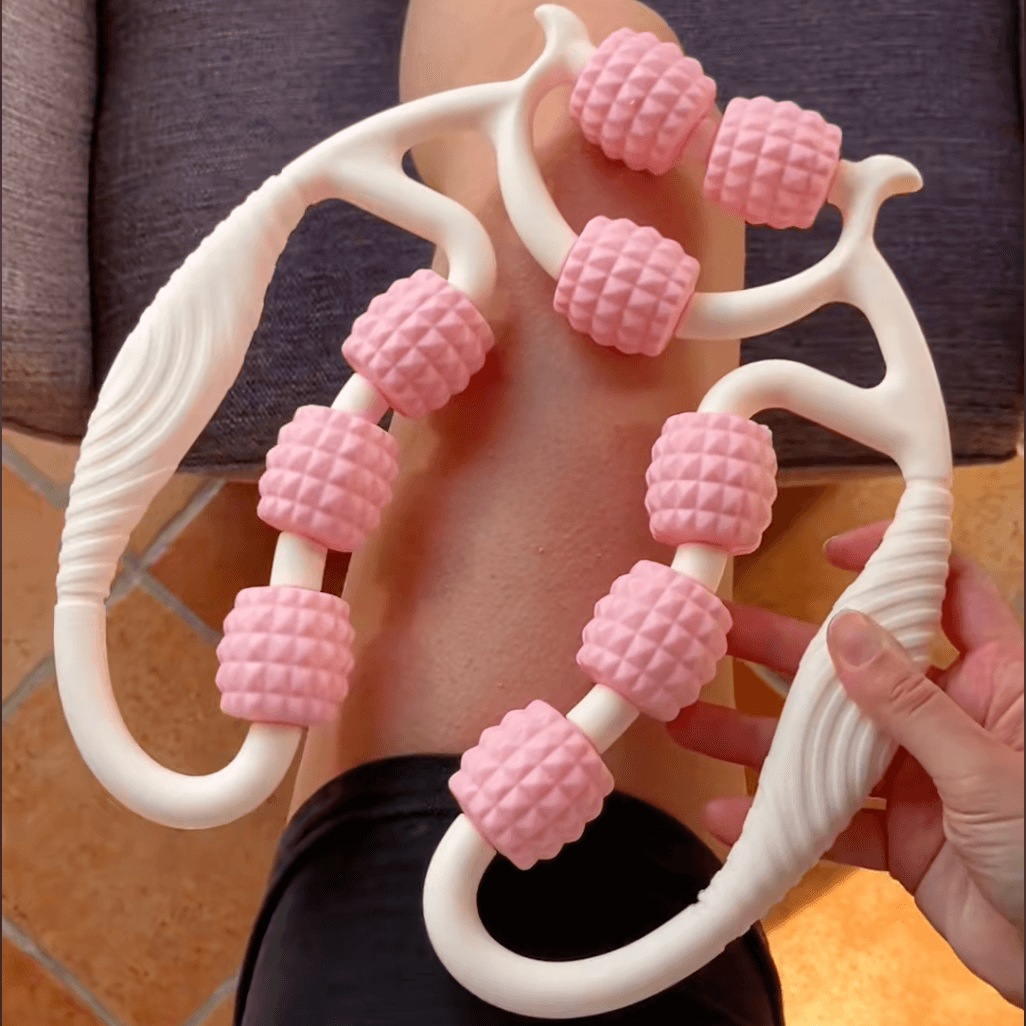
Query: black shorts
{"points": [[340, 939]]}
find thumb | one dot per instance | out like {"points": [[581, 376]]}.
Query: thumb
{"points": [[881, 680]]}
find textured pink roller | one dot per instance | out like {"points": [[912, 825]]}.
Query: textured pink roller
{"points": [[285, 656], [655, 639], [328, 478], [625, 286], [772, 163], [712, 480], [641, 100], [531, 784], [419, 343]]}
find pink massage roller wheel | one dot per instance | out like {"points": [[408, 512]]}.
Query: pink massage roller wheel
{"points": [[655, 639], [328, 478], [772, 163], [531, 784], [419, 343], [625, 286], [641, 100], [712, 480], [285, 656]]}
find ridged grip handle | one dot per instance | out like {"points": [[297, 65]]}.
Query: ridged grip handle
{"points": [[826, 755], [166, 383]]}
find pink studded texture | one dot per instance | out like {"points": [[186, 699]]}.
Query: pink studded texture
{"points": [[328, 478], [285, 656], [625, 286], [531, 784], [419, 343], [712, 480], [772, 163], [655, 639], [641, 100]]}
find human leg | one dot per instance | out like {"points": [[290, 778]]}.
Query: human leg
{"points": [[520, 501]]}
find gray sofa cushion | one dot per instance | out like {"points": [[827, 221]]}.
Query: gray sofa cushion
{"points": [[201, 101], [937, 82], [49, 98]]}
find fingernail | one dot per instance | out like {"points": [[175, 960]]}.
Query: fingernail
{"points": [[854, 638]]}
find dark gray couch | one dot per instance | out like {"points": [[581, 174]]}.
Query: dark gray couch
{"points": [[132, 129]]}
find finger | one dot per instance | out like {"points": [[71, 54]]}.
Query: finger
{"points": [[725, 817], [913, 710], [851, 550], [974, 612], [863, 843], [723, 733], [771, 639]]}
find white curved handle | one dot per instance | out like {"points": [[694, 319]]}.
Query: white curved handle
{"points": [[138, 781], [177, 365], [824, 760], [826, 757], [164, 386]]}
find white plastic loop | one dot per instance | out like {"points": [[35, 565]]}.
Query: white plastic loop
{"points": [[176, 366]]}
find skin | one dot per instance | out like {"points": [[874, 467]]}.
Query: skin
{"points": [[521, 501], [952, 829]]}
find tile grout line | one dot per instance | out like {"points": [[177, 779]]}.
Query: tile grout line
{"points": [[21, 940], [167, 598], [136, 569], [170, 532], [225, 989], [134, 575], [56, 495], [43, 671]]}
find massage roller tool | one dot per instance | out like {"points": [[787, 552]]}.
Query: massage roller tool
{"points": [[537, 778]]}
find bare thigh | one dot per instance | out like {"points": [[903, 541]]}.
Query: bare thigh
{"points": [[520, 502]]}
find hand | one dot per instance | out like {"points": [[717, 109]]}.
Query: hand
{"points": [[952, 831]]}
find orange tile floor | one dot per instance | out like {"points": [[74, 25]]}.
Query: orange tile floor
{"points": [[110, 919]]}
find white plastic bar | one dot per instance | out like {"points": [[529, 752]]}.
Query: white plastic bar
{"points": [[359, 396], [602, 715], [298, 563], [858, 192], [532, 211], [702, 562]]}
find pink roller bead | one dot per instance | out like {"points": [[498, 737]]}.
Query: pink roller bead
{"points": [[328, 478], [641, 100], [531, 784], [712, 480], [286, 656], [419, 343], [772, 163], [625, 286], [655, 639]]}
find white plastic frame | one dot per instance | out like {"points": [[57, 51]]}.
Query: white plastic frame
{"points": [[188, 347]]}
